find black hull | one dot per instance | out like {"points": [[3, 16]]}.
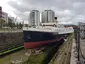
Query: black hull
{"points": [[34, 39]]}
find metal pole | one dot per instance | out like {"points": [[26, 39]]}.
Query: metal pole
{"points": [[78, 44]]}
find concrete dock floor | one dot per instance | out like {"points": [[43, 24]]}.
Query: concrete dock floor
{"points": [[19, 55]]}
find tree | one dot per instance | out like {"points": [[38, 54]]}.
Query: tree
{"points": [[11, 23], [26, 25], [20, 25], [2, 23]]}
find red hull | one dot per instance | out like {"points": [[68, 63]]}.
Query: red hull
{"points": [[39, 43]]}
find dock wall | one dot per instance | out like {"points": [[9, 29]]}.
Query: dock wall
{"points": [[10, 39]]}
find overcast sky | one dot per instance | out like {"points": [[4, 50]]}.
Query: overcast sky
{"points": [[67, 11]]}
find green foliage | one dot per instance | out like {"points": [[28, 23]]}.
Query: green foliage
{"points": [[19, 26], [11, 25], [10, 50], [26, 25], [2, 23], [38, 59], [35, 59]]}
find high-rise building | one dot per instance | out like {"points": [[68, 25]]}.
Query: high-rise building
{"points": [[48, 16], [11, 20], [5, 16], [0, 12], [34, 18]]}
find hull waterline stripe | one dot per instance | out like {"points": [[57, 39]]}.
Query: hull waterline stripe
{"points": [[38, 43]]}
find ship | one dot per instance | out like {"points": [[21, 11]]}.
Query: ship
{"points": [[42, 35]]}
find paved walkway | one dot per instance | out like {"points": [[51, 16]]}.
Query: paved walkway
{"points": [[73, 52], [82, 46]]}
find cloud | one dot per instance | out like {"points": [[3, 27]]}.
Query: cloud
{"points": [[67, 11]]}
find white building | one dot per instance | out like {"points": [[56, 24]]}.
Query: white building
{"points": [[48, 16], [82, 29], [13, 19], [5, 16], [34, 18]]}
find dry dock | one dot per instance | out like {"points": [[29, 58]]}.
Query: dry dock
{"points": [[62, 56]]}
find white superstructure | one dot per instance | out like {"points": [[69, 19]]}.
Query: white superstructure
{"points": [[57, 30], [51, 27]]}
